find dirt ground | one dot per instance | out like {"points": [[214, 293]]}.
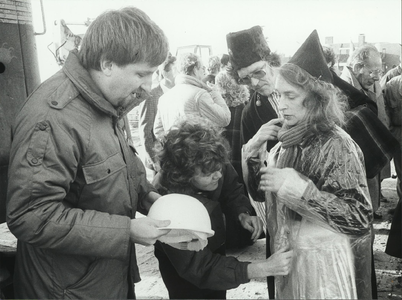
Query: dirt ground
{"points": [[388, 268]]}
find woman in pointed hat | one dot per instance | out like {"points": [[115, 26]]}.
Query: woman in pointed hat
{"points": [[314, 184]]}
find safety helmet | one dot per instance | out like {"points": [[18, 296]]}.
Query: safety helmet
{"points": [[189, 219]]}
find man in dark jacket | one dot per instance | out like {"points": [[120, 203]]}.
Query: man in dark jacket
{"points": [[75, 183], [251, 63]]}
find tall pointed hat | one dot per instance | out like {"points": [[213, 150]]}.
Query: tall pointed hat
{"points": [[310, 57]]}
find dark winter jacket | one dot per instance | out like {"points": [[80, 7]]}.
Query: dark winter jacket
{"points": [[74, 185]]}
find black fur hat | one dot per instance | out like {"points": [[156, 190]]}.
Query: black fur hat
{"points": [[246, 47]]}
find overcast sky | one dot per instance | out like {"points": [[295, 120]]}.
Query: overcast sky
{"points": [[286, 23]]}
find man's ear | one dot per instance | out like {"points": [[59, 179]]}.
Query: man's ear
{"points": [[106, 67], [357, 67]]}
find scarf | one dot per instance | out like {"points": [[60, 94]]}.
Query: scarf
{"points": [[291, 138]]}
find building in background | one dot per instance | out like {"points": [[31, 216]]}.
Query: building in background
{"points": [[390, 52]]}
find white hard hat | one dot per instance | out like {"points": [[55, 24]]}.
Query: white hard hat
{"points": [[189, 218]]}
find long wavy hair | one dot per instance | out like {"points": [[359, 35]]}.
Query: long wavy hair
{"points": [[190, 146], [325, 103]]}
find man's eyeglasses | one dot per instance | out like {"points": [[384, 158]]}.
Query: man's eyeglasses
{"points": [[374, 73], [257, 75]]}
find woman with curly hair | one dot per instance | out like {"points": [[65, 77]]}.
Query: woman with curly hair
{"points": [[194, 161], [190, 97], [314, 184], [236, 97]]}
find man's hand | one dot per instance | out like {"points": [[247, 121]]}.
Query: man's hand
{"points": [[279, 263], [252, 224], [145, 230], [268, 131]]}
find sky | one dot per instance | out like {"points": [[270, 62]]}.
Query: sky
{"points": [[286, 23]]}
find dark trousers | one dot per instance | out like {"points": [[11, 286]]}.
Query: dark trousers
{"points": [[178, 287], [270, 279]]}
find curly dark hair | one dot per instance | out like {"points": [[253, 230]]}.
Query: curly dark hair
{"points": [[189, 146]]}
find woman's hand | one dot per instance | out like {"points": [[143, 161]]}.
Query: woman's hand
{"points": [[278, 264], [252, 224], [273, 178]]}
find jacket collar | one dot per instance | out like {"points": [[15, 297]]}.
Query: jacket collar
{"points": [[187, 79], [373, 92], [88, 89]]}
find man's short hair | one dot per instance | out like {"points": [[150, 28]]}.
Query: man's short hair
{"points": [[214, 64], [362, 54], [329, 55], [124, 36], [167, 64], [224, 59]]}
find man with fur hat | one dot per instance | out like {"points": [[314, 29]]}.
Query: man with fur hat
{"points": [[251, 62]]}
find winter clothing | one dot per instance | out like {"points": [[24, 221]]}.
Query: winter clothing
{"points": [[247, 47], [324, 214], [148, 109], [236, 96], [389, 75], [74, 186], [393, 106], [190, 96], [375, 93], [204, 274]]}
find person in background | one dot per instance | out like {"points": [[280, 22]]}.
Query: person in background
{"points": [[395, 71], [75, 183], [251, 64], [190, 97], [225, 62], [393, 106], [330, 58], [148, 109], [364, 70], [236, 96], [324, 216], [194, 161], [214, 66]]}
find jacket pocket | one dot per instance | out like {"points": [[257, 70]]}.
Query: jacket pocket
{"points": [[102, 170], [105, 278]]}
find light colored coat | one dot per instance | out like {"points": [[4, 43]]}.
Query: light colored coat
{"points": [[190, 97], [323, 214]]}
